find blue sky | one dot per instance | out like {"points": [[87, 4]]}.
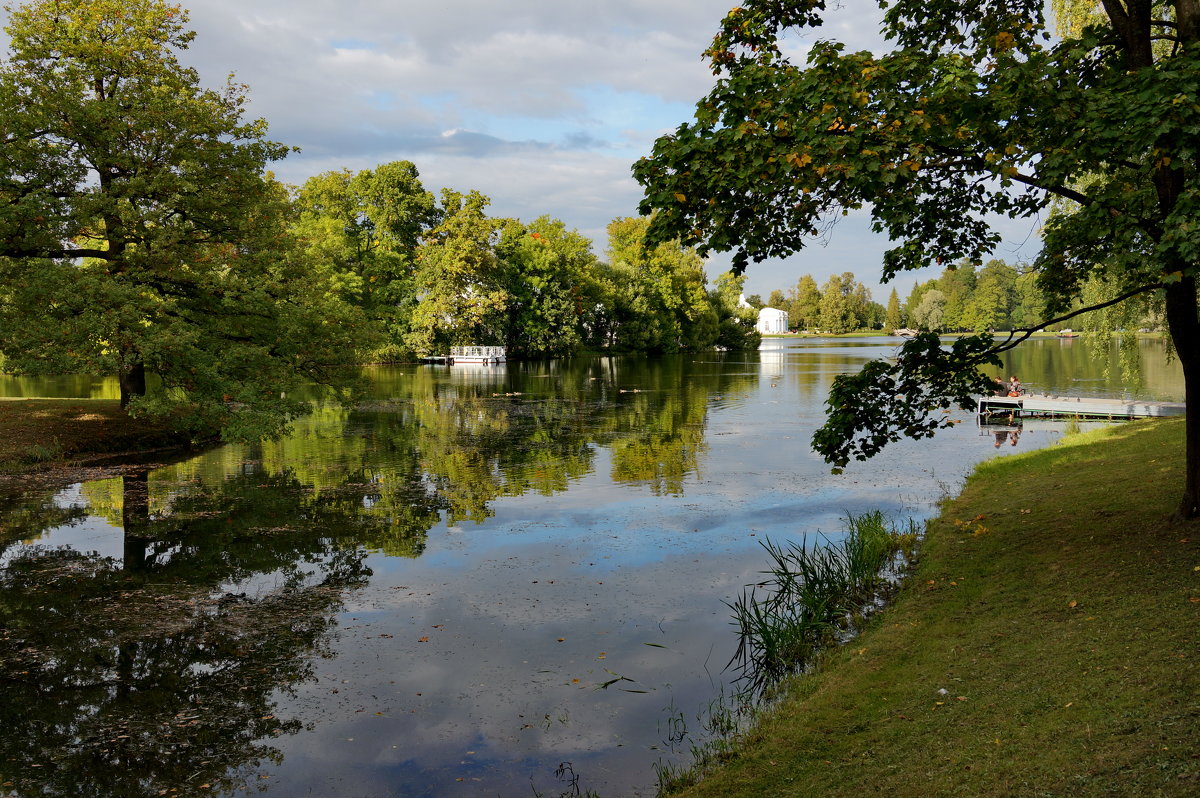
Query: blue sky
{"points": [[540, 104]]}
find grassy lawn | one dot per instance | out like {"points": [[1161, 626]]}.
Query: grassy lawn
{"points": [[1057, 607], [40, 432]]}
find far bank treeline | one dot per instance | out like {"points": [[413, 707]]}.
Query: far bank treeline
{"points": [[964, 298], [430, 273]]}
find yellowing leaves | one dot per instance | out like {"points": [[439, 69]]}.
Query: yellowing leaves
{"points": [[798, 161], [680, 197]]}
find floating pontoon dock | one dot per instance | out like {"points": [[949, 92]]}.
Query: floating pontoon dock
{"points": [[485, 355], [1075, 407]]}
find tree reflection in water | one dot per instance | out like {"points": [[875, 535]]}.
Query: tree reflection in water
{"points": [[162, 669], [157, 671]]}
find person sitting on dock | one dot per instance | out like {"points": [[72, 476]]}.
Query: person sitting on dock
{"points": [[1014, 386], [1001, 387]]}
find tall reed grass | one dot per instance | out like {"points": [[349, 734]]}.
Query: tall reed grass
{"points": [[813, 596]]}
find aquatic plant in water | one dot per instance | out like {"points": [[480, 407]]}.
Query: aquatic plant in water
{"points": [[812, 597]]}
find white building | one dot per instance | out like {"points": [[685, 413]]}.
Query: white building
{"points": [[771, 320]]}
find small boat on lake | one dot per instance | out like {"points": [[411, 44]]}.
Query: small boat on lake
{"points": [[486, 355]]}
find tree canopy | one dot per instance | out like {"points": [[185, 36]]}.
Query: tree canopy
{"points": [[975, 113], [139, 235]]}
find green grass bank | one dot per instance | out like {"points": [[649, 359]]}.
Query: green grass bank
{"points": [[1045, 644]]}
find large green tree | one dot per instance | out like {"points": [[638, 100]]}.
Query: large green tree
{"points": [[806, 303], [837, 312], [549, 272], [138, 234], [362, 230], [974, 113], [990, 304], [460, 280], [894, 319], [659, 300]]}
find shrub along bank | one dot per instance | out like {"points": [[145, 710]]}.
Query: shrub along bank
{"points": [[1045, 644]]}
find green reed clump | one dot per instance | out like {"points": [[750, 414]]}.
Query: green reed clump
{"points": [[812, 596]]}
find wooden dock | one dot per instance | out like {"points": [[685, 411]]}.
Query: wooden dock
{"points": [[1042, 406]]}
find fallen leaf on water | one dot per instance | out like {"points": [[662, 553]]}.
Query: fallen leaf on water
{"points": [[561, 639], [422, 639]]}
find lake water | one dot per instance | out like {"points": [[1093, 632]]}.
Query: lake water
{"points": [[480, 575]]}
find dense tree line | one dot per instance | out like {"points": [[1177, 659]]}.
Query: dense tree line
{"points": [[141, 236], [995, 297], [841, 305], [430, 274]]}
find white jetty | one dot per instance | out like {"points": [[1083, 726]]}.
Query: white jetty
{"points": [[1075, 407]]}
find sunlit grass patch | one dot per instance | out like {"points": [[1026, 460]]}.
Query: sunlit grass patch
{"points": [[1043, 644]]}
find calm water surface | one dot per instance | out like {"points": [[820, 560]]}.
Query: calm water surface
{"points": [[480, 575]]}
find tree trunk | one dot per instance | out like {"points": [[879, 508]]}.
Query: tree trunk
{"points": [[1184, 324], [133, 382], [135, 517]]}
